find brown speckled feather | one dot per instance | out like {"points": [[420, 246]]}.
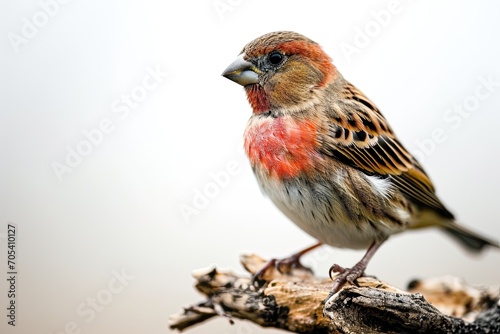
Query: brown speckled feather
{"points": [[360, 136]]}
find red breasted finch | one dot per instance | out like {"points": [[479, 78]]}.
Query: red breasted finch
{"points": [[327, 158]]}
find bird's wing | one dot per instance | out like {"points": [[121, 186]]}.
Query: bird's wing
{"points": [[359, 136]]}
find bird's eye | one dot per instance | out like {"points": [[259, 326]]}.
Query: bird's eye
{"points": [[275, 58]]}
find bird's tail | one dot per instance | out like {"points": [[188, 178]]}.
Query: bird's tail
{"points": [[473, 241]]}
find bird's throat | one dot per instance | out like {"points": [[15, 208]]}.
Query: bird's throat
{"points": [[257, 98]]}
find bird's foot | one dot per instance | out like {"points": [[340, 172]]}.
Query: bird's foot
{"points": [[283, 266], [345, 275], [352, 274]]}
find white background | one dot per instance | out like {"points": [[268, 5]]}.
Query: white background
{"points": [[119, 208]]}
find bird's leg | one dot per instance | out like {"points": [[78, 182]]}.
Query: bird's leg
{"points": [[284, 265], [351, 274]]}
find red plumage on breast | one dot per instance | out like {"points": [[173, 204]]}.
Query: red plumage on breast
{"points": [[283, 147]]}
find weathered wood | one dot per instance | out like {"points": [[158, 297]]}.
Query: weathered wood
{"points": [[299, 302]]}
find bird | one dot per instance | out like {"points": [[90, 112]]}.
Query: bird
{"points": [[327, 157]]}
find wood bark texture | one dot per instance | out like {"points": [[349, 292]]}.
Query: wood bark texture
{"points": [[299, 302]]}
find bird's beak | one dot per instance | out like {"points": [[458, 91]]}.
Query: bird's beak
{"points": [[242, 72]]}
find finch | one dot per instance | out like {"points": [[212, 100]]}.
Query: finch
{"points": [[326, 156]]}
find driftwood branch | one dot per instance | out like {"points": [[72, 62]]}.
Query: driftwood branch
{"points": [[299, 302]]}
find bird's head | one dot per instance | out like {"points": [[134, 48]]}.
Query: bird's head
{"points": [[281, 72]]}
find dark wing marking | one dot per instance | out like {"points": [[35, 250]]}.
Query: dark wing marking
{"points": [[360, 136]]}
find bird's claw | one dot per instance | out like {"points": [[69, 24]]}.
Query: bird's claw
{"points": [[283, 266], [336, 269], [346, 275]]}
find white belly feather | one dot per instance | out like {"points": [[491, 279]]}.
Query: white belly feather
{"points": [[319, 210]]}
